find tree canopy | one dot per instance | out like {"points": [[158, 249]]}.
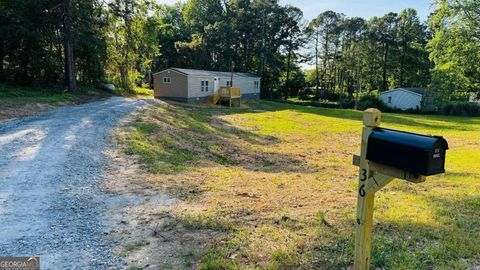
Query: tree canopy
{"points": [[125, 41], [455, 46]]}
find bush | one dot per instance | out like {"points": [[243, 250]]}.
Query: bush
{"points": [[306, 93], [331, 96], [343, 104], [371, 101], [461, 109], [346, 104], [460, 96]]}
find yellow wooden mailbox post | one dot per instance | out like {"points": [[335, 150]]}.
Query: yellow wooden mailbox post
{"points": [[373, 176]]}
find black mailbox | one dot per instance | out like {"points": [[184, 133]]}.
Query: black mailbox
{"points": [[414, 153]]}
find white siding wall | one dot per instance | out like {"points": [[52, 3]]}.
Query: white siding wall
{"points": [[223, 81], [402, 99], [246, 85], [195, 86]]}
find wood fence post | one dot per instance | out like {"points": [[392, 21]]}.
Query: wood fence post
{"points": [[364, 221]]}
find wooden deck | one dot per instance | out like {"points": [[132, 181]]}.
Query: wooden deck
{"points": [[230, 95], [229, 92]]}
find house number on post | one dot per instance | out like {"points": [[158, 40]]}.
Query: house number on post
{"points": [[387, 154]]}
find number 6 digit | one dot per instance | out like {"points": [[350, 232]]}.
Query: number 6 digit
{"points": [[362, 190]]}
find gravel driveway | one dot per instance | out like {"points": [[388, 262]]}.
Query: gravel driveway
{"points": [[51, 203]]}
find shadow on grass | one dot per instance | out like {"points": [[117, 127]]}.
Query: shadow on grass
{"points": [[415, 120], [462, 174], [453, 244], [175, 137]]}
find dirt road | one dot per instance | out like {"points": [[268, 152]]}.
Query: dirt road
{"points": [[51, 203]]}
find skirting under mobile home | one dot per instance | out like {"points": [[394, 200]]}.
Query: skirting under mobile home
{"points": [[191, 85]]}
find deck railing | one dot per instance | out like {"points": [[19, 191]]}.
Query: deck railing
{"points": [[229, 92]]}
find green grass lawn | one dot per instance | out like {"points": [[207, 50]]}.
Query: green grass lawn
{"points": [[17, 101], [19, 95], [22, 95], [277, 181]]}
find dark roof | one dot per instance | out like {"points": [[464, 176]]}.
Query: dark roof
{"points": [[199, 72], [417, 90], [420, 91]]}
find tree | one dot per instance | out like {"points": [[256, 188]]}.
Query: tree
{"points": [[131, 42], [354, 31], [35, 37], [412, 57], [89, 41], [207, 22], [352, 54], [294, 31], [170, 29], [4, 21], [68, 49], [325, 32], [267, 18], [123, 41], [383, 30], [454, 47]]}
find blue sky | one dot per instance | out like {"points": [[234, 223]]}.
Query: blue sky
{"points": [[360, 8]]}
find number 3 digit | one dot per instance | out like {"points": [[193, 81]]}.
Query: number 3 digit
{"points": [[364, 175]]}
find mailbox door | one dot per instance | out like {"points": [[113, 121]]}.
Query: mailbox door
{"points": [[437, 158]]}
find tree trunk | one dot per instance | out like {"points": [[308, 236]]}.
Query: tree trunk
{"points": [[264, 90], [68, 50], [2, 56], [245, 54], [287, 85], [24, 77], [231, 73], [384, 77], [325, 62], [317, 81], [333, 71], [402, 65], [354, 71]]}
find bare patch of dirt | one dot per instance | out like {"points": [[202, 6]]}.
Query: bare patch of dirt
{"points": [[476, 266], [10, 110], [145, 220]]}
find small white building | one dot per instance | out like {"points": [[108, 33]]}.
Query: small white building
{"points": [[403, 98], [193, 85], [474, 98]]}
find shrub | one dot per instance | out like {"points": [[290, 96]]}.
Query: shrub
{"points": [[331, 96], [461, 109], [306, 93], [460, 96], [343, 104], [371, 101], [346, 103]]}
